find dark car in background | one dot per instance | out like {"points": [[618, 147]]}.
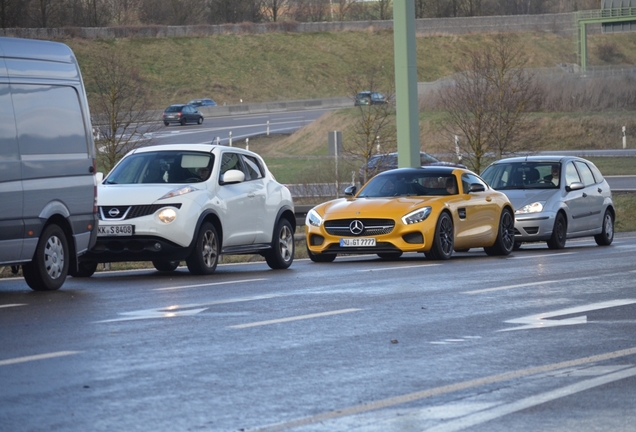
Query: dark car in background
{"points": [[370, 98], [383, 162], [182, 114], [202, 102]]}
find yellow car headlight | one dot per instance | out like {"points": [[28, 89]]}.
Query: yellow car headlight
{"points": [[535, 207], [416, 216], [167, 215], [313, 218]]}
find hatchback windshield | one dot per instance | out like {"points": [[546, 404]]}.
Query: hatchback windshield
{"points": [[163, 167], [523, 175], [412, 184]]}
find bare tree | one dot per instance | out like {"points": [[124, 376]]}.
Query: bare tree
{"points": [[374, 129], [488, 101], [119, 102], [273, 8]]}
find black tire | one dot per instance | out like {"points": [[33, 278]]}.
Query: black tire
{"points": [[165, 266], [321, 258], [85, 269], [559, 233], [200, 120], [517, 245], [390, 255], [166, 123], [505, 242], [281, 255], [49, 267], [443, 240], [183, 121], [205, 255], [606, 236]]}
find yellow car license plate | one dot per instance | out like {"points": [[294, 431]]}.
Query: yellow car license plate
{"points": [[357, 242]]}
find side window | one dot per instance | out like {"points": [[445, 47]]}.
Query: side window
{"points": [[597, 174], [586, 173], [230, 161], [254, 169], [571, 175], [49, 120]]}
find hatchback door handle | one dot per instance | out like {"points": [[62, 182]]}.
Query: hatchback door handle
{"points": [[584, 195]]}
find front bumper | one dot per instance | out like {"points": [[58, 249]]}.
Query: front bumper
{"points": [[135, 248], [534, 226]]}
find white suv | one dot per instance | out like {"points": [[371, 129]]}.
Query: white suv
{"points": [[191, 202]]}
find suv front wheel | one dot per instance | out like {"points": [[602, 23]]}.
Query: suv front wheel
{"points": [[205, 255], [281, 255]]}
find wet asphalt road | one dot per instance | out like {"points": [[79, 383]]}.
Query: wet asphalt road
{"points": [[539, 340]]}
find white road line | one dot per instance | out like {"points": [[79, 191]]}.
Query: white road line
{"points": [[12, 305], [397, 267], [296, 318], [529, 402], [539, 255], [446, 389], [208, 284], [507, 287], [37, 357]]}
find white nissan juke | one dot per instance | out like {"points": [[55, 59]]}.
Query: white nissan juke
{"points": [[192, 203]]}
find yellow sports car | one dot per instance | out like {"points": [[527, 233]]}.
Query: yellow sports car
{"points": [[435, 210]]}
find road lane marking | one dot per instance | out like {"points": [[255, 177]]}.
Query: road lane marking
{"points": [[295, 318], [451, 388], [541, 320], [529, 402], [540, 255], [507, 287], [37, 357], [397, 267], [208, 284], [12, 305], [182, 310]]}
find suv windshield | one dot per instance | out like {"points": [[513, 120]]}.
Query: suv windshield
{"points": [[162, 167], [523, 175]]}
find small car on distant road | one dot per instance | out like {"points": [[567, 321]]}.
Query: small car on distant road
{"points": [[555, 198], [370, 98], [192, 203], [434, 210], [182, 114], [202, 102]]}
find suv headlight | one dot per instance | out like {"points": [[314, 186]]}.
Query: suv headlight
{"points": [[313, 218], [416, 216], [535, 207], [180, 191]]}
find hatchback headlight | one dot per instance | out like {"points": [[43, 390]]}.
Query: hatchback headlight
{"points": [[180, 191], [416, 216], [167, 215], [313, 218], [535, 207]]}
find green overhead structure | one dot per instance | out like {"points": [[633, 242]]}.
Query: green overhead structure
{"points": [[406, 103], [600, 16]]}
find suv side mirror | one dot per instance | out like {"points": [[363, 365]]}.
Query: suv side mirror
{"points": [[232, 176]]}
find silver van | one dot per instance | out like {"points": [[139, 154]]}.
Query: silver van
{"points": [[48, 191]]}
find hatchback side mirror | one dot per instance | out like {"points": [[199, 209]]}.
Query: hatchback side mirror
{"points": [[574, 186], [232, 176]]}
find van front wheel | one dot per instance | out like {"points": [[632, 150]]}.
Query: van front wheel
{"points": [[49, 267]]}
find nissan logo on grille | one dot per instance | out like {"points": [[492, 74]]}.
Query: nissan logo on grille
{"points": [[356, 227], [114, 212]]}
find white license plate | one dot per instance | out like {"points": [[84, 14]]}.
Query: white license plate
{"points": [[115, 230], [357, 242]]}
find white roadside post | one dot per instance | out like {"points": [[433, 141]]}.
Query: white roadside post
{"points": [[459, 155], [230, 142], [624, 138], [247, 143], [267, 127]]}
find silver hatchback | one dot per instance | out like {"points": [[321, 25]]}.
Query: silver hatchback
{"points": [[555, 198]]}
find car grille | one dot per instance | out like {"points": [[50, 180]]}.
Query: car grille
{"points": [[130, 212], [342, 227]]}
